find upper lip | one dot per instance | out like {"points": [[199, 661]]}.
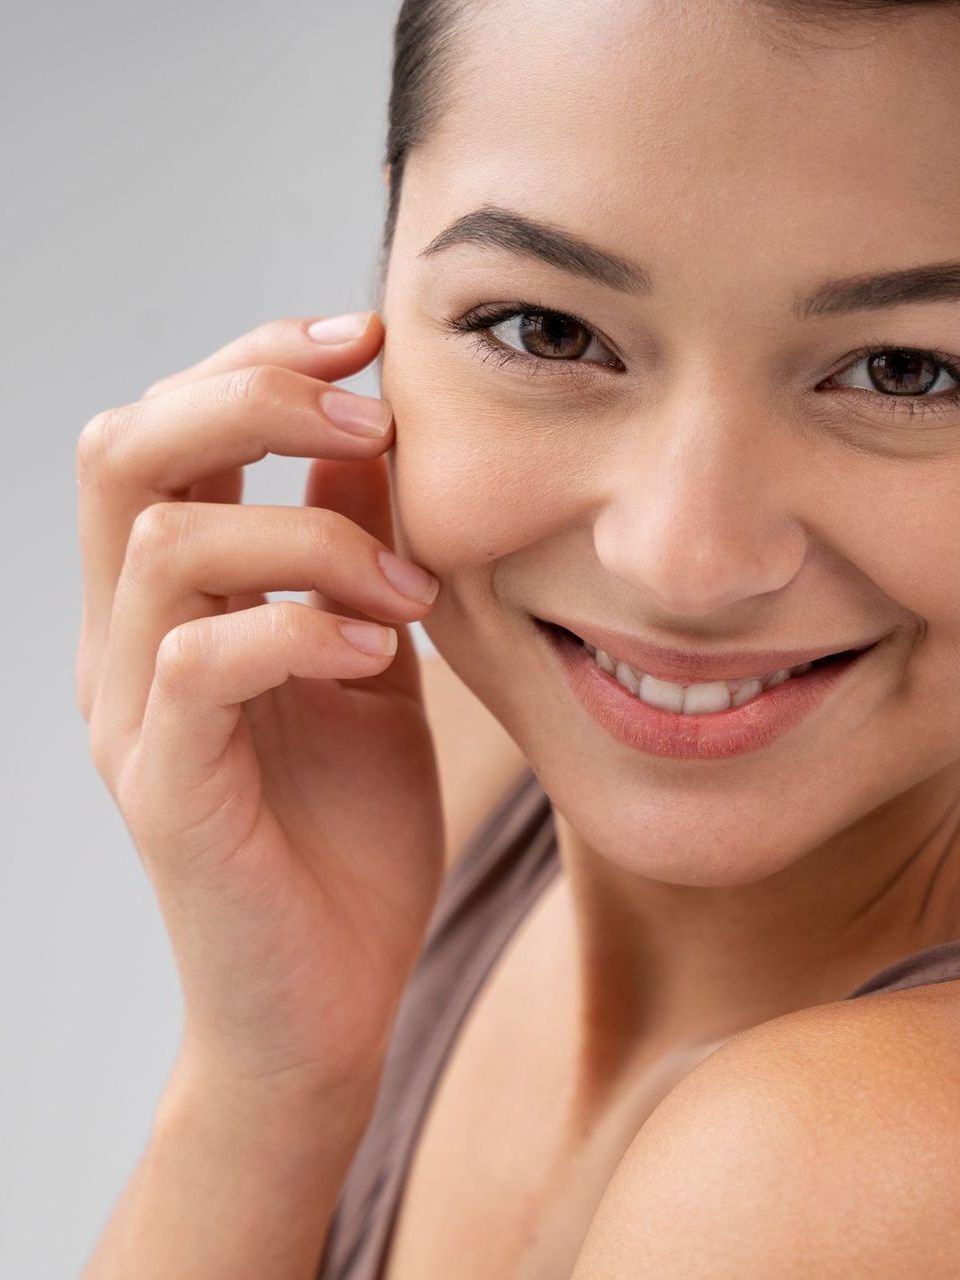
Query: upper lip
{"points": [[682, 667]]}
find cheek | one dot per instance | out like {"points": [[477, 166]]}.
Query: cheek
{"points": [[469, 484], [442, 491], [896, 527], [907, 529], [447, 514], [477, 473]]}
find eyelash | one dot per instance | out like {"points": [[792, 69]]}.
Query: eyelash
{"points": [[481, 319]]}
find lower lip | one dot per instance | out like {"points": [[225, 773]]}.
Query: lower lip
{"points": [[698, 737]]}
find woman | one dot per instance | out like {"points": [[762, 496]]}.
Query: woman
{"points": [[672, 416]]}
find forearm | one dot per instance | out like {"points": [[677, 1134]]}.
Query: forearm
{"points": [[232, 1186]]}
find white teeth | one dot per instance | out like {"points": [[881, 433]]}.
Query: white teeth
{"points": [[746, 692], [603, 660], [661, 693], [691, 699], [627, 678], [704, 698]]}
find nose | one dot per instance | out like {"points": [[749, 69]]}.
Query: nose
{"points": [[700, 511]]}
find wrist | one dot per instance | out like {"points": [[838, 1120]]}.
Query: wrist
{"points": [[289, 1110], [240, 1177]]}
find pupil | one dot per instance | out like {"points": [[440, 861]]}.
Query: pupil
{"points": [[550, 336], [904, 369]]}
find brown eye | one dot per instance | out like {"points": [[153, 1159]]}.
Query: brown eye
{"points": [[903, 372], [536, 339], [552, 336]]}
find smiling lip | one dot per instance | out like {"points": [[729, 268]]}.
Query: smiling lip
{"points": [[703, 736], [681, 667]]}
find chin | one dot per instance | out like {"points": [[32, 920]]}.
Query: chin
{"points": [[677, 839]]}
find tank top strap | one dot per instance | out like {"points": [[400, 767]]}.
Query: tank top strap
{"points": [[509, 860], [934, 964], [502, 869]]}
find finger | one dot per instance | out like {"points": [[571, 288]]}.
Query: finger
{"points": [[285, 342], [359, 489], [186, 559], [226, 488], [202, 434], [206, 669]]}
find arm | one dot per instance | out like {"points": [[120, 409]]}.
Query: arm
{"points": [[810, 1148], [236, 1182]]}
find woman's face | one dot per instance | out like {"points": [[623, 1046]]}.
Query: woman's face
{"points": [[703, 467]]}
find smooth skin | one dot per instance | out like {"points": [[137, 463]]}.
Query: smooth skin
{"points": [[715, 495], [280, 785], [818, 1146], [736, 482], [282, 788]]}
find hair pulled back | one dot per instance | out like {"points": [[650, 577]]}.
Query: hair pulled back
{"points": [[430, 36]]}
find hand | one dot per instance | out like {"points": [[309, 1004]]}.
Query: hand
{"points": [[280, 785]]}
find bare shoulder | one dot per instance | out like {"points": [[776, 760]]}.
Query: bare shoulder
{"points": [[824, 1143], [476, 758]]}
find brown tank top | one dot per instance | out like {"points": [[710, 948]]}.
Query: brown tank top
{"points": [[508, 862]]}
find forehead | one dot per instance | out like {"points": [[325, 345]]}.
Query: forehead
{"points": [[659, 126]]}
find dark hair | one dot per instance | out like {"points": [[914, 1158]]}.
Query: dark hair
{"points": [[429, 38]]}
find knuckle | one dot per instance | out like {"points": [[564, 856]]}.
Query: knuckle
{"points": [[251, 347], [100, 442], [253, 384], [266, 339], [181, 656], [322, 530], [158, 532], [285, 620], [157, 388], [285, 327]]}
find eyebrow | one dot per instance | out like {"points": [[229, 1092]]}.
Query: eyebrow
{"points": [[503, 229], [495, 227]]}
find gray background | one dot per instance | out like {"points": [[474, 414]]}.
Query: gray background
{"points": [[174, 175]]}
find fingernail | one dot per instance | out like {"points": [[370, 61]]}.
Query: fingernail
{"points": [[360, 415], [340, 328], [368, 637], [409, 579]]}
